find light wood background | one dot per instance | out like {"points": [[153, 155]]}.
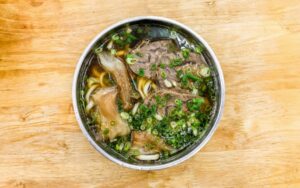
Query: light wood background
{"points": [[258, 140]]}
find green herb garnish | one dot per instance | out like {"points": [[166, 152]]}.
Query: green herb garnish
{"points": [[130, 59], [153, 67], [194, 104], [163, 74], [162, 65], [141, 72], [106, 131], [185, 53], [199, 49], [176, 62]]}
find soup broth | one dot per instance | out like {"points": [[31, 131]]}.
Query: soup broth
{"points": [[148, 92]]}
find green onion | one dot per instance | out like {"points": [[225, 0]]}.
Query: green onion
{"points": [[158, 117], [205, 71], [199, 49], [124, 115], [203, 88], [129, 119], [112, 123], [149, 120], [143, 127], [98, 50], [141, 72], [173, 34], [134, 152], [163, 74], [115, 37], [194, 104], [178, 102], [175, 62], [167, 83], [195, 131], [173, 124], [113, 51], [128, 30], [130, 59], [154, 132], [185, 53], [192, 77], [120, 146], [162, 65], [153, 67], [195, 91], [106, 131], [127, 146]]}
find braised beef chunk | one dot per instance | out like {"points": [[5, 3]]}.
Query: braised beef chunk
{"points": [[117, 68], [147, 143], [111, 124]]}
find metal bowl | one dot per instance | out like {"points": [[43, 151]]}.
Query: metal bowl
{"points": [[210, 58]]}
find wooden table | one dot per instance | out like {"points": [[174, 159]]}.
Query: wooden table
{"points": [[257, 142]]}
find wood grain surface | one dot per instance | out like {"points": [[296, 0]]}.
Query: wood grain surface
{"points": [[258, 140]]}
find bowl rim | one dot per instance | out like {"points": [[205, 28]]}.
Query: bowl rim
{"points": [[219, 110]]}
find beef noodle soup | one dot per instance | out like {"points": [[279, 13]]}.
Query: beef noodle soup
{"points": [[148, 92]]}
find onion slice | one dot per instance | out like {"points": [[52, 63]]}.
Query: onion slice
{"points": [[150, 157], [89, 106], [89, 92], [135, 108]]}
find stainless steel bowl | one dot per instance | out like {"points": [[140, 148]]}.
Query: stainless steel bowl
{"points": [[211, 59]]}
